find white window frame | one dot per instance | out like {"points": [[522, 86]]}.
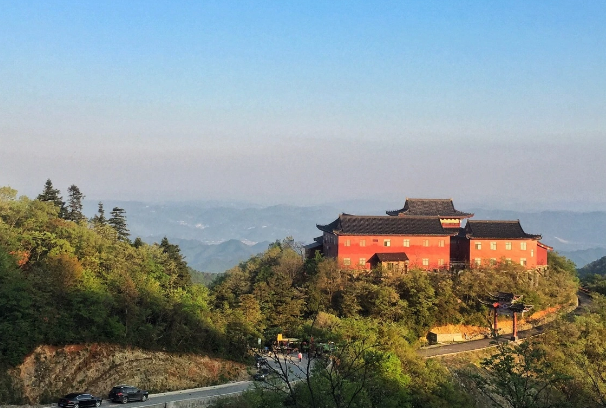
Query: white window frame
{"points": [[477, 261], [441, 243], [347, 261], [425, 261], [425, 242], [362, 262], [523, 246], [508, 246], [523, 262], [406, 243], [348, 242], [478, 245], [493, 245], [387, 242], [362, 242]]}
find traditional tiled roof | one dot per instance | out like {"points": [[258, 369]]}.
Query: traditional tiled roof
{"points": [[382, 225], [390, 257], [477, 229], [437, 207]]}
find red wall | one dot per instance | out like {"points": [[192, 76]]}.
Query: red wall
{"points": [[541, 255], [515, 254], [374, 244]]}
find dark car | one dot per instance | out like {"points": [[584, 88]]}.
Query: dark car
{"points": [[79, 400], [125, 393], [261, 361], [262, 374]]}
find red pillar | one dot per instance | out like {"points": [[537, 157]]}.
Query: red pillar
{"points": [[496, 322], [515, 327]]}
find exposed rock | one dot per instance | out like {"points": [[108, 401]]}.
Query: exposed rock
{"points": [[50, 372]]}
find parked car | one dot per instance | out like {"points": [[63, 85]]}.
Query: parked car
{"points": [[262, 374], [79, 400], [261, 361], [125, 393]]}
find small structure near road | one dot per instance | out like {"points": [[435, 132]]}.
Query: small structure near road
{"points": [[435, 338], [509, 304]]}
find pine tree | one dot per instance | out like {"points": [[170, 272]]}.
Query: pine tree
{"points": [[74, 204], [53, 195], [118, 223], [182, 278], [138, 242], [99, 218]]}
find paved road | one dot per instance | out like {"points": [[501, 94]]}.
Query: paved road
{"points": [[295, 370], [441, 350]]}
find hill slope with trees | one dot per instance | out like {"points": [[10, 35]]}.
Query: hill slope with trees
{"points": [[67, 280]]}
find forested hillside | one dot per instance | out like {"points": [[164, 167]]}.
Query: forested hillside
{"points": [[65, 279]]}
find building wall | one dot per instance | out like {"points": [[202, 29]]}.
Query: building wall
{"points": [[354, 247], [541, 255], [486, 255], [459, 249]]}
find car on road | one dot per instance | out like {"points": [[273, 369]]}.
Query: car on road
{"points": [[125, 393], [260, 361], [79, 400], [262, 374]]}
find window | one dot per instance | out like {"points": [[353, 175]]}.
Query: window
{"points": [[440, 262], [478, 261], [508, 260], [508, 246], [441, 243], [493, 246], [523, 246], [478, 245], [387, 242], [425, 261], [362, 242], [346, 261], [493, 261], [406, 243], [531, 253], [362, 262], [347, 242], [425, 242], [375, 240], [523, 261]]}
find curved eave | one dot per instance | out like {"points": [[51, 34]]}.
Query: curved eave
{"points": [[461, 216], [325, 228], [533, 237]]}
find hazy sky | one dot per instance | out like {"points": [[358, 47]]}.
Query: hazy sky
{"points": [[306, 102]]}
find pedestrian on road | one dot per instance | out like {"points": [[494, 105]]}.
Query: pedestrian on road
{"points": [[300, 355]]}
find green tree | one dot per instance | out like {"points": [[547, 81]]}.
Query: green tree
{"points": [[53, 195], [74, 204], [118, 222], [99, 218], [521, 376], [177, 268]]}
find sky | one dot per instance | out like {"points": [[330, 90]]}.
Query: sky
{"points": [[493, 103]]}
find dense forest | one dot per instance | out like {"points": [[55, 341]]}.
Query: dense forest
{"points": [[66, 279]]}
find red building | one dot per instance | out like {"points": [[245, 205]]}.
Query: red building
{"points": [[436, 207], [362, 242], [426, 234], [483, 243]]}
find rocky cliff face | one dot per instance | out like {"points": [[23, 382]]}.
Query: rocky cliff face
{"points": [[51, 372]]}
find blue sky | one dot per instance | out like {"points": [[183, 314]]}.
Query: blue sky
{"points": [[496, 103]]}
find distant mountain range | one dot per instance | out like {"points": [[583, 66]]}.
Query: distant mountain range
{"points": [[216, 236], [595, 267]]}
